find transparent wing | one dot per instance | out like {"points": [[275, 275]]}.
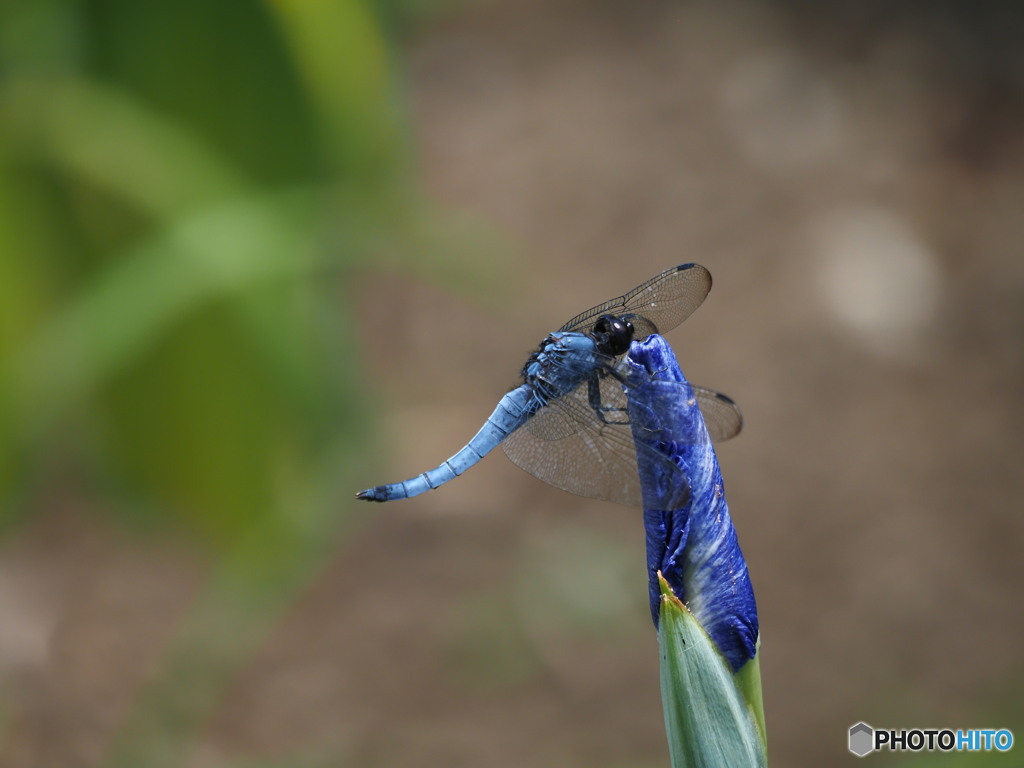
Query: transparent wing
{"points": [[572, 448], [721, 415], [658, 305], [553, 423]]}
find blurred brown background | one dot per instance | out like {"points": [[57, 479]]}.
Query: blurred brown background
{"points": [[258, 257]]}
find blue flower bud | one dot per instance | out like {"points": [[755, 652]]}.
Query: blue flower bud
{"points": [[694, 546]]}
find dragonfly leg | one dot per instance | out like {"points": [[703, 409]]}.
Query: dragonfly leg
{"points": [[603, 412]]}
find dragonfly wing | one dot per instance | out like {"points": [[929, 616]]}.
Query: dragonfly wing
{"points": [[595, 460], [599, 458], [551, 424], [721, 415], [658, 305], [556, 423]]}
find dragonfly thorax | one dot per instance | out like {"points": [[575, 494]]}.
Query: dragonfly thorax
{"points": [[562, 362]]}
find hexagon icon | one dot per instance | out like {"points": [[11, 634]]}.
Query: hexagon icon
{"points": [[862, 739]]}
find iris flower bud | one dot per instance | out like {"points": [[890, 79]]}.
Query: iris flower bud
{"points": [[700, 589]]}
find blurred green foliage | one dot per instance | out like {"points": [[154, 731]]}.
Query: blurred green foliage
{"points": [[186, 191]]}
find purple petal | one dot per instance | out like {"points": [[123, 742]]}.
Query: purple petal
{"points": [[694, 546]]}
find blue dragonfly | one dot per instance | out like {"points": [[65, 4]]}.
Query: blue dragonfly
{"points": [[567, 422]]}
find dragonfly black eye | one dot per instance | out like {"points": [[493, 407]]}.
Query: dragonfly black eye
{"points": [[613, 334]]}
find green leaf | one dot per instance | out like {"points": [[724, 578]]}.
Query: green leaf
{"points": [[343, 62], [709, 720]]}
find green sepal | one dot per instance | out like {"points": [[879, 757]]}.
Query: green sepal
{"points": [[712, 717], [748, 680]]}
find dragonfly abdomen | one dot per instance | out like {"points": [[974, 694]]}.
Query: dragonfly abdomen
{"points": [[512, 410]]}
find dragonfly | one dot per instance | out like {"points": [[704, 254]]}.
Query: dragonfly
{"points": [[567, 423]]}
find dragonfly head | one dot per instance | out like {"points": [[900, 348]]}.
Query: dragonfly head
{"points": [[612, 334]]}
